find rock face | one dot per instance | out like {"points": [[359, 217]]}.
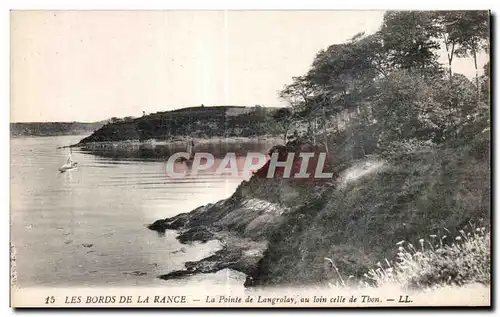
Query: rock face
{"points": [[241, 255], [240, 223], [165, 224], [243, 223], [280, 232], [199, 233]]}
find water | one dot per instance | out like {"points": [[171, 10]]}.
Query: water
{"points": [[87, 227]]}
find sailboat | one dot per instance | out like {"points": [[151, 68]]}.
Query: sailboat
{"points": [[70, 164]]}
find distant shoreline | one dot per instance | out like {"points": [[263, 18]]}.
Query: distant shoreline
{"points": [[18, 136], [178, 141], [42, 129]]}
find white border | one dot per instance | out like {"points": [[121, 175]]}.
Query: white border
{"points": [[186, 4], [246, 4]]}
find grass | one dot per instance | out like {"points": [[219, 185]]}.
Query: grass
{"points": [[431, 263], [418, 192]]}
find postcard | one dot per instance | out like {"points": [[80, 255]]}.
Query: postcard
{"points": [[250, 158]]}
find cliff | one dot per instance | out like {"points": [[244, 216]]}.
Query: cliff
{"points": [[279, 232]]}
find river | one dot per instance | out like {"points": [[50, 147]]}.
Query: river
{"points": [[87, 227]]}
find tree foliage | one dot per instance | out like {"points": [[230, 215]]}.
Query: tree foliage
{"points": [[410, 39], [393, 79]]}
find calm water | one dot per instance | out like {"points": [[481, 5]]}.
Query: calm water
{"points": [[87, 227]]}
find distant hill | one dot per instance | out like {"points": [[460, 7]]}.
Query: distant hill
{"points": [[53, 128], [200, 122]]}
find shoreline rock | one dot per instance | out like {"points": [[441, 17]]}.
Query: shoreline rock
{"points": [[200, 233], [242, 255], [240, 223], [173, 223]]}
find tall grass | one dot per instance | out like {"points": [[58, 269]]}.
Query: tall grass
{"points": [[431, 263]]}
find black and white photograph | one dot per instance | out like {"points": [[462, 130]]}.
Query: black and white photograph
{"points": [[250, 158]]}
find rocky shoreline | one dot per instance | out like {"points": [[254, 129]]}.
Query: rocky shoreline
{"points": [[245, 223], [240, 224]]}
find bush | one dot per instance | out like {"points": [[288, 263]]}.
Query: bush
{"points": [[405, 148], [435, 263], [403, 107]]}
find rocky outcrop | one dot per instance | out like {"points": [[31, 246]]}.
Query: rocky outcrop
{"points": [[175, 223], [199, 233], [245, 217], [238, 254], [241, 224]]}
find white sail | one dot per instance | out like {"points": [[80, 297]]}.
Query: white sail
{"points": [[69, 164]]}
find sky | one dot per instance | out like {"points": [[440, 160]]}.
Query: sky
{"points": [[93, 65]]}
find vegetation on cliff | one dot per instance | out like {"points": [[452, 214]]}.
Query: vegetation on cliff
{"points": [[409, 145], [429, 126], [199, 122]]}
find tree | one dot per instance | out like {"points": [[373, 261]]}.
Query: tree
{"points": [[485, 83], [298, 92], [283, 119], [404, 108], [471, 32], [279, 122], [456, 100], [410, 40], [341, 78], [445, 22], [392, 80], [297, 95]]}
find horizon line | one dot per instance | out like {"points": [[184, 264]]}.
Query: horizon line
{"points": [[135, 117]]}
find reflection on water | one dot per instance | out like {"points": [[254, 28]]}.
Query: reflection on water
{"points": [[88, 226], [162, 151]]}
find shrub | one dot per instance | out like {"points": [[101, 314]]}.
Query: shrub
{"points": [[434, 263]]}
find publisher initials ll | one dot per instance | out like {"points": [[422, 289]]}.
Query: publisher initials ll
{"points": [[405, 299]]}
